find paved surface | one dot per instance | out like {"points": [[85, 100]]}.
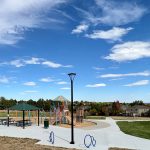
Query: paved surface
{"points": [[98, 125], [105, 137]]}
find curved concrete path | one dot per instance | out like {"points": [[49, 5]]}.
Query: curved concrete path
{"points": [[98, 125], [105, 137]]}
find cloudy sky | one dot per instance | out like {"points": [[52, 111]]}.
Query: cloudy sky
{"points": [[106, 42]]}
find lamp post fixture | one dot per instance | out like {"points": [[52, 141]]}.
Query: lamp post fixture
{"points": [[72, 76]]}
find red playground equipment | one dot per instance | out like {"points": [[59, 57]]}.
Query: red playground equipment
{"points": [[60, 114]]}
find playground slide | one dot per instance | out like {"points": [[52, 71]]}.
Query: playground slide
{"points": [[69, 120], [53, 123]]}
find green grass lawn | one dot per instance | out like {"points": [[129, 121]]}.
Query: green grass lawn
{"points": [[130, 118], [96, 117], [3, 114], [135, 128]]}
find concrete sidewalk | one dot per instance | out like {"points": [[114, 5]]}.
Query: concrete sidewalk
{"points": [[110, 136]]}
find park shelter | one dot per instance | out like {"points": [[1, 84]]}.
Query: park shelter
{"points": [[23, 107]]}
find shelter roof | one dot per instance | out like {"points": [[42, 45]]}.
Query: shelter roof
{"points": [[24, 106]]}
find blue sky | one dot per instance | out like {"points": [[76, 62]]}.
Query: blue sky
{"points": [[107, 44]]}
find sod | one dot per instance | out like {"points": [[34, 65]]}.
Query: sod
{"points": [[135, 128]]}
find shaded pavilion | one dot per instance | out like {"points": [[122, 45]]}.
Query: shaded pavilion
{"points": [[23, 107]]}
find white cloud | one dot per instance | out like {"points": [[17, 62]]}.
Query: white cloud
{"points": [[113, 34], [129, 51], [115, 79], [18, 16], [98, 68], [138, 83], [63, 73], [113, 13], [68, 66], [55, 65], [62, 82], [30, 92], [22, 62], [114, 67], [48, 79], [66, 15], [17, 63], [4, 79], [65, 88], [80, 28], [51, 64], [29, 83], [34, 61], [96, 85], [145, 73]]}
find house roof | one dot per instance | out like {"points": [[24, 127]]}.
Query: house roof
{"points": [[23, 106], [61, 99], [141, 107]]}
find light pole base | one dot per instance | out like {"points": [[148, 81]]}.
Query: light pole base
{"points": [[72, 142]]}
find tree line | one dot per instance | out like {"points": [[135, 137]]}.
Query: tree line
{"points": [[41, 103], [91, 108]]}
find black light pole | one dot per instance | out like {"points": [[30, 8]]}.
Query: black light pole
{"points": [[8, 117], [72, 76], [23, 119], [38, 117]]}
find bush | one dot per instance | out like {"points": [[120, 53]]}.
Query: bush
{"points": [[93, 112]]}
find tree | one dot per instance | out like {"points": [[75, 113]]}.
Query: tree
{"points": [[93, 112], [31, 102], [105, 110], [116, 108], [40, 103], [148, 113], [137, 102], [47, 105]]}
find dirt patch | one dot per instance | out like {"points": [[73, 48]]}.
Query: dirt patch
{"points": [[80, 125], [9, 143], [115, 148]]}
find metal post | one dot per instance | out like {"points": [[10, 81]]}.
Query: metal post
{"points": [[72, 127], [23, 119], [38, 117], [72, 76], [8, 118]]}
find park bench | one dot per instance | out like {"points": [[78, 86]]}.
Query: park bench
{"points": [[26, 123], [3, 121]]}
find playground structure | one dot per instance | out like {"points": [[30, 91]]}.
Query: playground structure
{"points": [[60, 114], [80, 114]]}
